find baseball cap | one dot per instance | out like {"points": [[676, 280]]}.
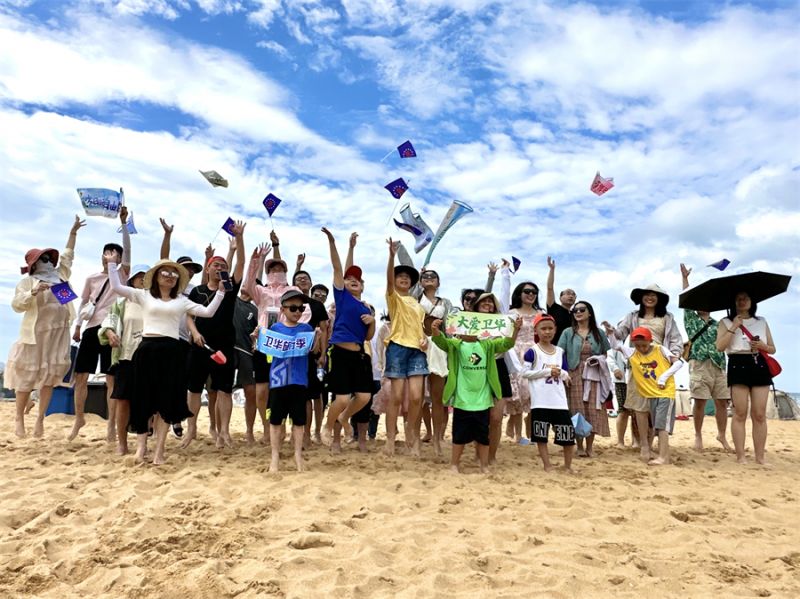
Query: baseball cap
{"points": [[354, 271], [294, 293], [542, 317], [642, 333]]}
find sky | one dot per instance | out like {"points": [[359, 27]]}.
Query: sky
{"points": [[512, 106]]}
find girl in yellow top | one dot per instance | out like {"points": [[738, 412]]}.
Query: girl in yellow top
{"points": [[406, 362]]}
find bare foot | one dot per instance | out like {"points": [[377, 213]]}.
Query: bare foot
{"points": [[111, 434], [427, 438], [336, 447], [20, 429], [347, 430], [139, 459], [249, 439], [741, 460], [414, 451], [191, 435], [158, 459], [567, 470], [80, 421], [636, 445], [762, 462], [548, 468], [317, 438], [454, 468], [589, 453], [219, 442], [437, 448], [362, 447], [298, 461], [582, 453], [698, 443], [658, 462], [388, 449], [38, 429], [644, 454], [212, 432], [226, 439], [264, 440], [29, 405], [485, 469], [122, 449], [620, 445], [724, 442], [327, 436]]}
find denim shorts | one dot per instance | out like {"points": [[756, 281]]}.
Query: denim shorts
{"points": [[403, 362]]}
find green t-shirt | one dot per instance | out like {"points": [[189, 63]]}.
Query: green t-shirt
{"points": [[473, 392]]}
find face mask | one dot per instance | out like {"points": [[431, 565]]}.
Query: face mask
{"points": [[46, 271], [277, 277]]}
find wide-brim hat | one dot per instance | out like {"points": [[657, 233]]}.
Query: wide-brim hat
{"points": [[190, 264], [183, 274], [138, 269], [33, 255], [403, 269], [483, 296], [272, 262], [636, 294]]}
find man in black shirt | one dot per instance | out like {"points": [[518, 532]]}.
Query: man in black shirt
{"points": [[560, 312], [215, 334]]}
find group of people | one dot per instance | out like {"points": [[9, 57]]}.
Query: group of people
{"points": [[161, 340]]}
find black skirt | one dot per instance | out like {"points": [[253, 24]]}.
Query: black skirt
{"points": [[123, 380], [505, 379], [749, 370], [159, 383]]}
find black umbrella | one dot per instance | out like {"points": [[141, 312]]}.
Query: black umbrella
{"points": [[719, 293]]}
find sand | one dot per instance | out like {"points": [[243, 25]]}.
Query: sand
{"points": [[78, 521]]}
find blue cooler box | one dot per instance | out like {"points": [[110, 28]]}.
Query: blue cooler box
{"points": [[62, 401]]}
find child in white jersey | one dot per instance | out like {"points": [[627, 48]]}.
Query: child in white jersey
{"points": [[545, 368]]}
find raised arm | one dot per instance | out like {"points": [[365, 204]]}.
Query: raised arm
{"points": [[198, 310], [165, 242], [390, 267], [505, 286], [276, 243], [404, 258], [126, 238], [73, 232], [492, 268], [685, 272], [336, 261], [255, 266], [348, 262], [238, 270], [551, 281], [210, 251], [298, 265], [116, 285]]}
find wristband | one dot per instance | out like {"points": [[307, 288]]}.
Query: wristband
{"points": [[275, 245]]}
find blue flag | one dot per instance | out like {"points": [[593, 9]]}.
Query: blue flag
{"points": [[407, 227], [101, 202], [397, 188], [131, 227], [406, 150], [271, 203], [721, 265], [64, 293], [278, 345], [228, 227], [515, 262]]}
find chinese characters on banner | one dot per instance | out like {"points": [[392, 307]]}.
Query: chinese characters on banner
{"points": [[482, 326], [277, 345]]}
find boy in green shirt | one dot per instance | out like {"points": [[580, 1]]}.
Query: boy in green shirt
{"points": [[472, 384]]}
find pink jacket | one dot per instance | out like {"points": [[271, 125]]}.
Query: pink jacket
{"points": [[266, 297]]}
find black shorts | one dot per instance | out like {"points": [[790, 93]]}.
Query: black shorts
{"points": [[201, 367], [749, 370], [123, 380], [505, 378], [363, 415], [470, 426], [350, 372], [90, 350], [622, 392], [288, 401], [245, 375], [543, 418], [260, 368], [315, 386]]}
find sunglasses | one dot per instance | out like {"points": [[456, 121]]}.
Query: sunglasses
{"points": [[470, 298], [429, 275], [44, 258], [579, 310], [530, 291], [169, 274], [295, 308]]}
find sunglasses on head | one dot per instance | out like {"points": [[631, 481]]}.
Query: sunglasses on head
{"points": [[295, 308], [580, 310], [169, 274], [530, 291]]}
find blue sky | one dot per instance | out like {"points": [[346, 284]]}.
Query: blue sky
{"points": [[513, 106]]}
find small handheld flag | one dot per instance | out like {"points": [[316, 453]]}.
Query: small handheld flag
{"points": [[271, 203], [131, 227], [407, 227], [397, 188], [64, 293], [515, 263], [101, 202], [228, 227], [215, 178], [406, 150], [721, 265], [601, 185]]}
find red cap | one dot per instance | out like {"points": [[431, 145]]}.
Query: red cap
{"points": [[354, 271], [214, 259], [642, 333], [541, 317]]}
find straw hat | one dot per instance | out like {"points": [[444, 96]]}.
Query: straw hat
{"points": [[183, 274], [636, 294], [483, 296]]}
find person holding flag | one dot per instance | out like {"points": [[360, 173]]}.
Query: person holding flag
{"points": [[39, 358], [562, 311]]}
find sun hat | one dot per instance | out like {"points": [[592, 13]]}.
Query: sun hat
{"points": [[183, 274], [190, 264], [485, 295], [403, 269], [137, 270], [272, 262], [32, 256], [636, 294]]}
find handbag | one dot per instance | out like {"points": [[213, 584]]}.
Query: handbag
{"points": [[582, 427], [427, 323], [87, 311], [773, 365], [687, 346]]}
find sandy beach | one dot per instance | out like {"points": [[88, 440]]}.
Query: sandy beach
{"points": [[79, 521]]}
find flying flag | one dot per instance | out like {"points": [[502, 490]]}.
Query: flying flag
{"points": [[215, 178], [721, 265], [425, 235], [406, 150], [397, 188], [228, 227], [456, 211], [515, 262], [271, 203], [64, 293], [601, 185], [131, 227], [406, 227], [101, 202]]}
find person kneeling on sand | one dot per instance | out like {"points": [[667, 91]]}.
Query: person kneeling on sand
{"points": [[653, 368], [472, 383], [546, 371]]}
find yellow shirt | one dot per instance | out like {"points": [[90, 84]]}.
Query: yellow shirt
{"points": [[407, 317], [646, 368]]}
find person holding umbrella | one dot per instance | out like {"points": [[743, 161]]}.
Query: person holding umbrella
{"points": [[747, 340]]}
